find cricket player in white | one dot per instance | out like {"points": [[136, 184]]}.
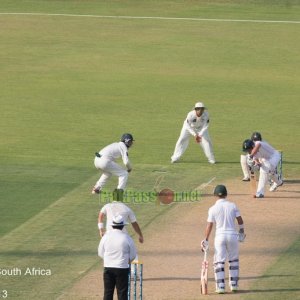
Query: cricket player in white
{"points": [[224, 214], [105, 160], [267, 158], [196, 124], [110, 210]]}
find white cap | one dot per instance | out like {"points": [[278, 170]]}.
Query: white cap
{"points": [[118, 220], [199, 105]]}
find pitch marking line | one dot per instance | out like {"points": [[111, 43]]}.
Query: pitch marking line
{"points": [[204, 185], [156, 18]]}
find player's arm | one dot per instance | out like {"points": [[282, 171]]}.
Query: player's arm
{"points": [[205, 126], [138, 230], [125, 158], [188, 121], [101, 218], [208, 229], [255, 149]]}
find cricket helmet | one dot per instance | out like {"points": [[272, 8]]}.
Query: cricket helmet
{"points": [[256, 136], [220, 190], [248, 145], [127, 139]]}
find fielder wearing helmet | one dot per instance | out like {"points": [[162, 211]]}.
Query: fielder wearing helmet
{"points": [[105, 161], [127, 139], [248, 145]]}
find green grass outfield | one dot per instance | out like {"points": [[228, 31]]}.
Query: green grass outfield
{"points": [[70, 85]]}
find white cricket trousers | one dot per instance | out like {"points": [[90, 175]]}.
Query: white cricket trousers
{"points": [[226, 247], [183, 142], [268, 168], [110, 168], [244, 166]]}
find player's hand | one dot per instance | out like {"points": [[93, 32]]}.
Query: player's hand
{"points": [[250, 161], [129, 170], [241, 235], [141, 239], [204, 245], [198, 139]]}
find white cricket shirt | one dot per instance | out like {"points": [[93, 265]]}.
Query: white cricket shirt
{"points": [[223, 214], [117, 249], [197, 125], [265, 150], [115, 151], [117, 208]]}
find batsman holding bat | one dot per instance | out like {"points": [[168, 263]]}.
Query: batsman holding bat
{"points": [[223, 214], [262, 154], [195, 124]]}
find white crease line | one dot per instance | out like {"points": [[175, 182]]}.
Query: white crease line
{"points": [[157, 18]]}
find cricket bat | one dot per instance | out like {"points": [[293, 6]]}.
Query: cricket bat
{"points": [[204, 275], [253, 186]]}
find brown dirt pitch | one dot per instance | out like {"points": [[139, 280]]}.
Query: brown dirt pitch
{"points": [[171, 253]]}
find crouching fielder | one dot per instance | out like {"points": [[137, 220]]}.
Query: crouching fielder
{"points": [[105, 160], [224, 214]]}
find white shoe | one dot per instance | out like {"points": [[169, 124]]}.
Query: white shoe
{"points": [[234, 289], [96, 190], [220, 291], [275, 185], [211, 161]]}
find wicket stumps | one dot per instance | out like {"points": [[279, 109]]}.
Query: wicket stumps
{"points": [[279, 167], [137, 272]]}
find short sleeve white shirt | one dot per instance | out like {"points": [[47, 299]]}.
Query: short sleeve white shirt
{"points": [[265, 151], [117, 208], [115, 151], [223, 214]]}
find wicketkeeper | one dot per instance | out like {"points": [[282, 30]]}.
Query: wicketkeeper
{"points": [[224, 214]]}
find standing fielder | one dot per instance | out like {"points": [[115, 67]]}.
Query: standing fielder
{"points": [[267, 158], [196, 124], [105, 161], [256, 136], [224, 214]]}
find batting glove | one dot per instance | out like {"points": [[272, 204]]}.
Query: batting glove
{"points": [[204, 245], [250, 161]]}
